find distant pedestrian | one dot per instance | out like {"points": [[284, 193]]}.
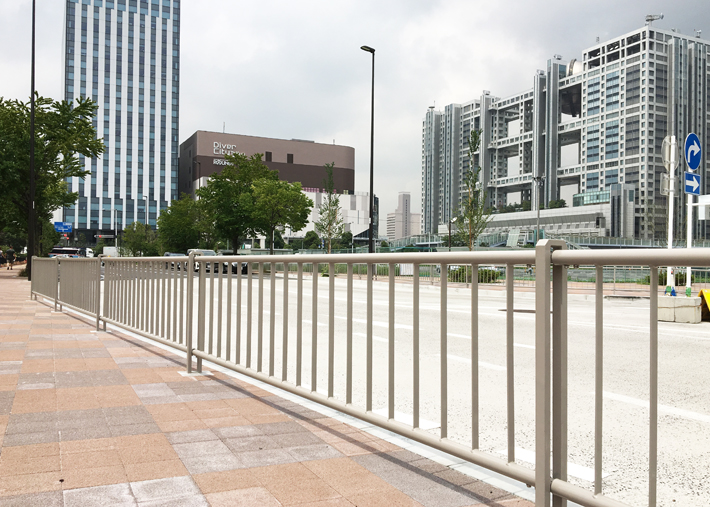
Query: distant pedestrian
{"points": [[10, 256]]}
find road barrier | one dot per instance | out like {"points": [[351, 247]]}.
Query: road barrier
{"points": [[215, 309]]}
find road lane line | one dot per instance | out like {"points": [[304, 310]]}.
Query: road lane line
{"points": [[482, 364], [679, 412]]}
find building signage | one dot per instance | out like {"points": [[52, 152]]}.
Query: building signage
{"points": [[224, 149], [219, 161]]}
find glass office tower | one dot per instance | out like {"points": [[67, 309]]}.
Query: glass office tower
{"points": [[125, 55]]}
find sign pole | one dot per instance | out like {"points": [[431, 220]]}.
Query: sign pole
{"points": [[690, 242], [670, 277]]}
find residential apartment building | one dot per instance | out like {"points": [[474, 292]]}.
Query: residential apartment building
{"points": [[583, 127], [125, 55], [403, 223]]}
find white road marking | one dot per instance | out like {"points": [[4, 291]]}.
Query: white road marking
{"points": [[680, 412], [375, 338], [482, 364], [579, 471]]}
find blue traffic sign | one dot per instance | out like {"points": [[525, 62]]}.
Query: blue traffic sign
{"points": [[63, 226], [693, 152], [692, 183]]}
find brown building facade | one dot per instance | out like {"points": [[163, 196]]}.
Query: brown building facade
{"points": [[202, 155]]}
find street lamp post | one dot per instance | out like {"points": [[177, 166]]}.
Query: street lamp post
{"points": [[371, 240], [31, 219], [539, 180]]}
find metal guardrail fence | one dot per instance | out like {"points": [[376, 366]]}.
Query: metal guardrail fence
{"points": [[216, 309]]}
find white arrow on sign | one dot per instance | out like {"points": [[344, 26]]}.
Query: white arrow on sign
{"points": [[692, 150], [695, 184]]}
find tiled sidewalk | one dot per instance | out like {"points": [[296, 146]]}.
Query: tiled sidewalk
{"points": [[92, 418]]}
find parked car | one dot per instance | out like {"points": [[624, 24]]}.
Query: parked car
{"points": [[206, 253], [172, 264]]}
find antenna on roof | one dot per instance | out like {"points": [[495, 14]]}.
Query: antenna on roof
{"points": [[698, 33], [650, 18], [224, 126], [597, 39]]}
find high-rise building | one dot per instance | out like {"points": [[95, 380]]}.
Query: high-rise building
{"points": [[125, 55], [583, 127], [403, 223]]}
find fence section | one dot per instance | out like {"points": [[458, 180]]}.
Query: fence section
{"points": [[45, 278], [149, 296], [396, 353]]}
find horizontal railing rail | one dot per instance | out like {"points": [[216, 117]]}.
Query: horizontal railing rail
{"points": [[391, 338]]}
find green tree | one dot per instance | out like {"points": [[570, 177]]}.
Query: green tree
{"points": [[47, 239], [229, 200], [311, 241], [63, 131], [278, 204], [279, 242], [330, 223], [474, 215], [184, 225], [346, 239], [139, 240], [559, 203]]}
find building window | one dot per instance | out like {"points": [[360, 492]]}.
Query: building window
{"points": [[268, 156], [289, 158]]}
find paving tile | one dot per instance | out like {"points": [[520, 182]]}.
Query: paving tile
{"points": [[255, 443], [99, 476], [247, 497], [314, 452], [137, 414], [164, 489], [48, 499], [215, 482], [182, 437], [133, 429], [415, 483], [237, 431], [155, 470], [118, 495], [12, 485], [266, 457], [31, 438], [212, 463], [280, 428], [193, 449]]}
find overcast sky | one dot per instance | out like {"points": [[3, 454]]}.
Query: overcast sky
{"points": [[294, 69]]}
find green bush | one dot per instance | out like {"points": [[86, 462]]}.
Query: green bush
{"points": [[680, 278], [462, 274]]}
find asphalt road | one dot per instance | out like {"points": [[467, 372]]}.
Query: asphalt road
{"points": [[684, 355]]}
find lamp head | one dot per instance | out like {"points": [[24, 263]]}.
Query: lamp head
{"points": [[368, 49]]}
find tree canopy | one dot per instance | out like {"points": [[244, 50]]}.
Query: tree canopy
{"points": [[229, 197], [63, 133], [330, 222], [474, 216], [184, 225], [139, 240], [280, 204]]}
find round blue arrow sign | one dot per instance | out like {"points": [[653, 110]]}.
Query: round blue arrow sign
{"points": [[693, 152]]}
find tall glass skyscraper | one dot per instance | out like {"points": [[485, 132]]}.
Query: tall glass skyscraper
{"points": [[125, 55]]}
